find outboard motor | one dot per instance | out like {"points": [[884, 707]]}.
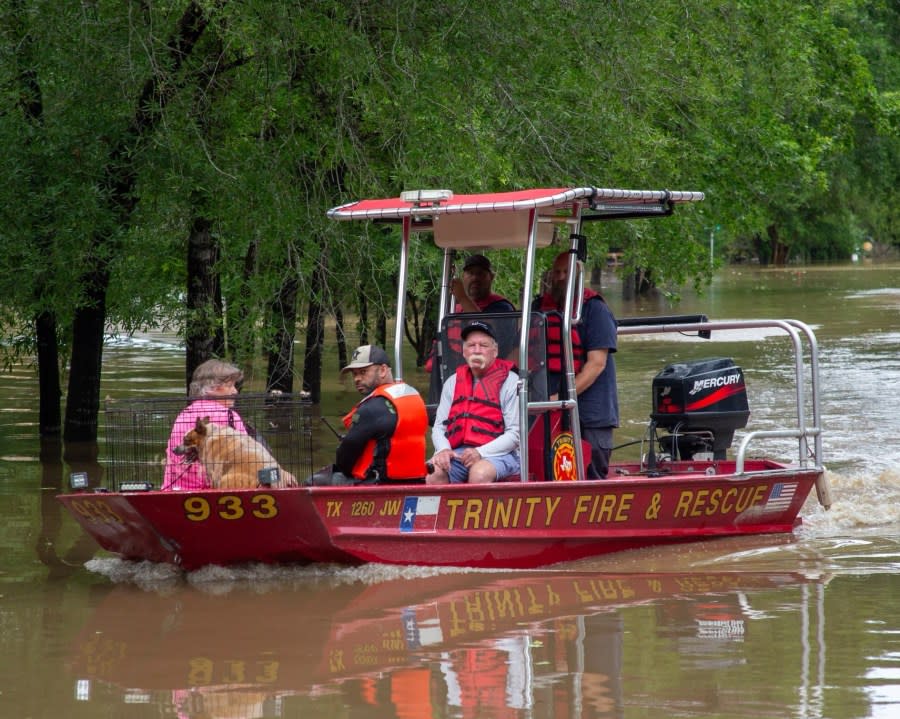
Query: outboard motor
{"points": [[701, 404]]}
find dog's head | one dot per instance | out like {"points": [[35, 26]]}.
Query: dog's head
{"points": [[193, 440]]}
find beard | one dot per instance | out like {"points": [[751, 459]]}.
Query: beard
{"points": [[558, 293]]}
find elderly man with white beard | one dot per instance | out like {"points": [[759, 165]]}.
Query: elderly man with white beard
{"points": [[476, 428]]}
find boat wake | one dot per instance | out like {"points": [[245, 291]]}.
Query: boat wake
{"points": [[216, 580], [859, 501]]}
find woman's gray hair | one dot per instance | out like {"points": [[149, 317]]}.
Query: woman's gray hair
{"points": [[211, 373]]}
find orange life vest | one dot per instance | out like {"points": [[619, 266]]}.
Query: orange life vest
{"points": [[406, 456], [476, 416]]}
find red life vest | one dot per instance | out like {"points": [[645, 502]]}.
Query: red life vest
{"points": [[554, 333], [406, 456], [476, 416]]}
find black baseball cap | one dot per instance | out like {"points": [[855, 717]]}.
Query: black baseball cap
{"points": [[478, 326], [477, 261]]}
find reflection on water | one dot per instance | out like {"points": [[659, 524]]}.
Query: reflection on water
{"points": [[803, 626], [733, 634], [420, 644]]}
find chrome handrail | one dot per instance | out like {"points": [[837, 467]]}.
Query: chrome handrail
{"points": [[803, 431]]}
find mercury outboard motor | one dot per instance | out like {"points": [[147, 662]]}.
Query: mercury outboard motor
{"points": [[700, 404]]}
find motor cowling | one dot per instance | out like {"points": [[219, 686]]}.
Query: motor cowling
{"points": [[701, 403]]}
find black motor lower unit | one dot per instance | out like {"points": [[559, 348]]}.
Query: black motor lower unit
{"points": [[700, 404]]}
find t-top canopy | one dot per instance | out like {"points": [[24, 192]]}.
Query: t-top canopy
{"points": [[396, 208], [500, 219]]}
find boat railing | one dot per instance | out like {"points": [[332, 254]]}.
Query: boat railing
{"points": [[740, 455], [807, 432]]}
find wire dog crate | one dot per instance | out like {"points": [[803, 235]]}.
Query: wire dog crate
{"points": [[137, 432]]}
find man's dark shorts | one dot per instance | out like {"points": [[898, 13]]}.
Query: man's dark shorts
{"points": [[600, 439]]}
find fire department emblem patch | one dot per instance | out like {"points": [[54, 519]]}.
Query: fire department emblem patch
{"points": [[563, 452]]}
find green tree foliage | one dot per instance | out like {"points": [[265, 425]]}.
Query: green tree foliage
{"points": [[129, 126]]}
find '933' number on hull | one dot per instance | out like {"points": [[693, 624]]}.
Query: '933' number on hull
{"points": [[230, 506]]}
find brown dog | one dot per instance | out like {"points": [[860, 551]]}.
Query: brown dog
{"points": [[231, 459]]}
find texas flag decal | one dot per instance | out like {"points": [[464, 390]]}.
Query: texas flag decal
{"points": [[419, 514]]}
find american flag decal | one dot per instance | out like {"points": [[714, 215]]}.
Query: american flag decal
{"points": [[780, 497]]}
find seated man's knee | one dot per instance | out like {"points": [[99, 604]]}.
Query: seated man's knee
{"points": [[482, 472]]}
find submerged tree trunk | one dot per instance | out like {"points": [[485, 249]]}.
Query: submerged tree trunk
{"points": [[50, 391], [761, 249], [83, 394], [636, 283], [780, 251], [48, 546]]}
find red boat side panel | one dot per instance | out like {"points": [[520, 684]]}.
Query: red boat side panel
{"points": [[118, 527], [513, 525], [537, 524]]}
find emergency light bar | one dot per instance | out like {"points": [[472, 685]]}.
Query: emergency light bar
{"points": [[421, 197]]}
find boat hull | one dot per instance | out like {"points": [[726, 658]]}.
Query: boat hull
{"points": [[503, 525]]}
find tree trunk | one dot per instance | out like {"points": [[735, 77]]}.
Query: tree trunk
{"points": [[636, 283], [643, 280], [341, 336], [381, 329], [49, 389], [315, 336], [628, 291], [762, 250], [419, 326], [280, 373], [240, 337], [203, 334], [780, 251], [429, 332], [83, 394], [363, 319]]}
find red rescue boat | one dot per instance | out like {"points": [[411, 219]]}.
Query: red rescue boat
{"points": [[690, 485]]}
